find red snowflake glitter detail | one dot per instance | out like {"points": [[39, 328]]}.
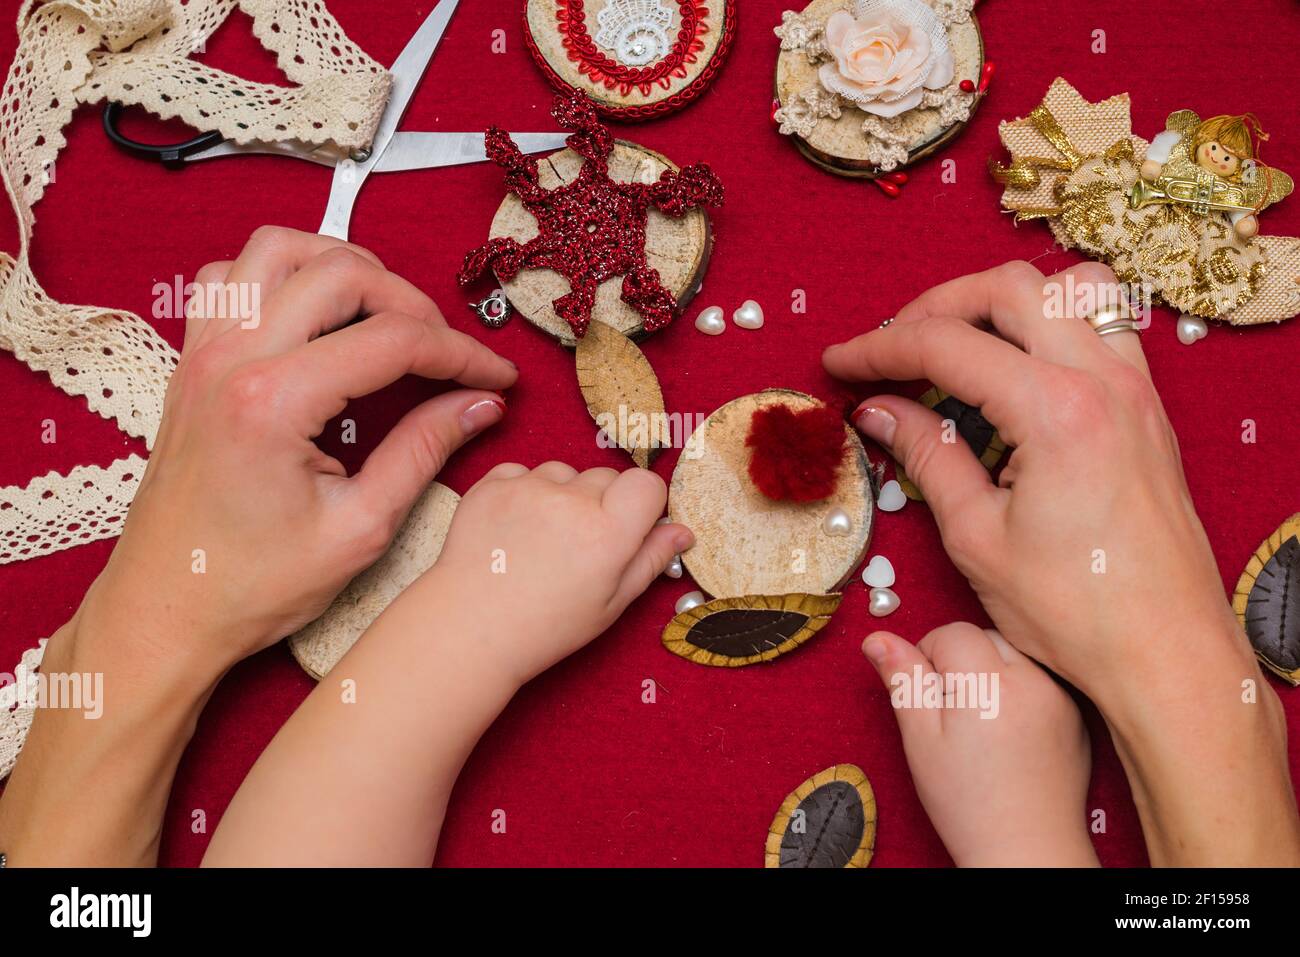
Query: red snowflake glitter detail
{"points": [[594, 228]]}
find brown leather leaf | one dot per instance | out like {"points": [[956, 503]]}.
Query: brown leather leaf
{"points": [[828, 821], [1267, 601], [733, 632], [622, 392]]}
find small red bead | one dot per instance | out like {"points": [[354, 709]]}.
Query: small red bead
{"points": [[889, 189], [900, 177], [966, 86]]}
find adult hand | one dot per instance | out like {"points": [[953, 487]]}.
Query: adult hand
{"points": [[1087, 553], [242, 530], [241, 519]]}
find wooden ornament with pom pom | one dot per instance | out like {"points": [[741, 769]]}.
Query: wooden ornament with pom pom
{"points": [[757, 483], [796, 454]]}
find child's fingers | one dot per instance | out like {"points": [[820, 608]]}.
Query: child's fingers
{"points": [[961, 647], [659, 548], [1010, 654], [638, 497], [595, 481], [558, 472], [505, 470], [895, 661]]}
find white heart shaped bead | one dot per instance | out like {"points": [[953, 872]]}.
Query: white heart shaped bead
{"points": [[883, 602], [879, 573], [692, 599], [711, 321], [749, 315], [1191, 328], [837, 522], [891, 497]]}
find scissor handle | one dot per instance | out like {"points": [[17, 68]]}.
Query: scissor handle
{"points": [[172, 155]]}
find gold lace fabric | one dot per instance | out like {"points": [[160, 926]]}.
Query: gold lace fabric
{"points": [[1074, 163]]}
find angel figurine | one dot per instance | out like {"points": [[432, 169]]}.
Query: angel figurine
{"points": [[1212, 165], [1178, 218]]}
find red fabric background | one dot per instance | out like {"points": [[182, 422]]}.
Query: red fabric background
{"points": [[587, 773]]}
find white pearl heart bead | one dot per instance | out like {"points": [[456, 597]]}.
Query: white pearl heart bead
{"points": [[879, 573], [883, 602], [838, 522], [891, 497], [711, 321], [749, 315], [1191, 328], [692, 599]]}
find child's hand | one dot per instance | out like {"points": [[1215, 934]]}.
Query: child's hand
{"points": [[1004, 779], [553, 557]]}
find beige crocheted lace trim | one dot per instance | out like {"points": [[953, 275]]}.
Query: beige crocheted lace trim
{"points": [[72, 52], [136, 51]]}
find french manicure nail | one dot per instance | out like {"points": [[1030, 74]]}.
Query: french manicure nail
{"points": [[482, 414], [876, 424]]}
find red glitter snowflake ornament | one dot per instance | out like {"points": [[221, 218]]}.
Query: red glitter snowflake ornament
{"points": [[594, 228]]}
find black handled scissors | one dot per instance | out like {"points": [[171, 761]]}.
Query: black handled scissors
{"points": [[390, 151]]}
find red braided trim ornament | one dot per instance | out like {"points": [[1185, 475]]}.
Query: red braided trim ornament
{"points": [[611, 74], [593, 228]]}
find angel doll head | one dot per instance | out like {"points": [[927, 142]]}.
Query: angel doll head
{"points": [[1223, 144]]}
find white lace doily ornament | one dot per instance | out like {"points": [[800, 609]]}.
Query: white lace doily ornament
{"points": [[635, 59], [637, 31]]}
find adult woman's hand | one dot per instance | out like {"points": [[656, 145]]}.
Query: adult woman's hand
{"points": [[1087, 553], [242, 530]]}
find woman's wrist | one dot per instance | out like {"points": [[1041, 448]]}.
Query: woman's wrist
{"points": [[1202, 737], [92, 782]]}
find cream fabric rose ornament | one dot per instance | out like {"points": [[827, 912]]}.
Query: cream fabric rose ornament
{"points": [[886, 53]]}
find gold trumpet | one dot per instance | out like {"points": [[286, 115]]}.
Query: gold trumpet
{"points": [[1202, 194]]}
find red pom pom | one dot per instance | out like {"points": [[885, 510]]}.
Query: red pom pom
{"points": [[797, 455]]}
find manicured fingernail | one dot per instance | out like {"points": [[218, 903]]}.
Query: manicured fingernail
{"points": [[875, 649], [876, 424], [684, 540], [482, 414]]}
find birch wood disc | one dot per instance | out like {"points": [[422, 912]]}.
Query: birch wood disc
{"points": [[838, 145], [748, 544], [677, 248], [320, 645], [568, 68]]}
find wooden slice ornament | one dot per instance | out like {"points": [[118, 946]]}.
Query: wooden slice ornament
{"points": [[975, 430], [635, 59], [598, 244], [319, 646], [828, 821], [677, 248], [749, 544], [1267, 601], [848, 127]]}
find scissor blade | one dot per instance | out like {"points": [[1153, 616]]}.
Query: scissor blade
{"points": [[408, 69], [434, 150]]}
